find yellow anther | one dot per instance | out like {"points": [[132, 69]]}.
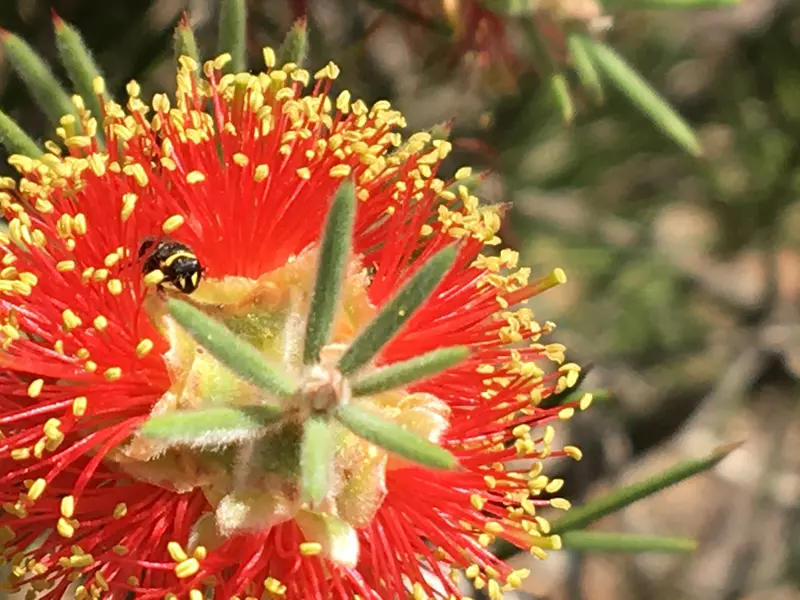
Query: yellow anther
{"points": [[70, 319], [120, 510], [187, 568], [493, 527], [65, 528], [115, 287], [120, 550], [37, 489], [195, 595], [172, 223], [274, 586], [68, 507], [340, 171], [176, 552], [144, 347], [65, 266], [35, 388], [310, 548], [560, 503], [195, 177], [79, 405], [113, 373], [100, 322], [573, 452]]}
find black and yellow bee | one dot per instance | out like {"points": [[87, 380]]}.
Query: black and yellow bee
{"points": [[176, 261]]}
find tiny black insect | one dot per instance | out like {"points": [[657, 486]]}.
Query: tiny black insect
{"points": [[175, 260]]}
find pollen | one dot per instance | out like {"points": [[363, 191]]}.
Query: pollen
{"points": [[79, 406], [144, 347], [172, 223], [187, 568], [115, 287], [112, 373], [310, 548], [176, 552], [37, 489], [35, 388], [195, 177], [70, 319], [65, 528], [67, 507]]}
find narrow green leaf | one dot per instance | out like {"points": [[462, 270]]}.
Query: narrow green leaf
{"points": [[82, 70], [584, 67], [15, 140], [334, 252], [185, 44], [233, 34], [595, 541], [394, 438], [316, 454], [667, 4], [37, 77], [642, 95], [409, 371], [397, 311], [294, 48], [211, 427], [514, 8], [579, 518], [236, 354], [551, 70]]}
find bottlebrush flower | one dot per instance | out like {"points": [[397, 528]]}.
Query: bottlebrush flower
{"points": [[240, 173]]}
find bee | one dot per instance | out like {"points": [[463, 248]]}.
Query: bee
{"points": [[176, 261]]}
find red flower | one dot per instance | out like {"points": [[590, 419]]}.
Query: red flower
{"points": [[246, 187]]}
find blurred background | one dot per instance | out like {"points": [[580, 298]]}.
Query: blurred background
{"points": [[684, 271]]}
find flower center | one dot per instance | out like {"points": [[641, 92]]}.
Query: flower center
{"points": [[254, 483]]}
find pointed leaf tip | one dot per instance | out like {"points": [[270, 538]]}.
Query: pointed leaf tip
{"points": [[333, 257], [578, 518], [210, 427], [394, 438], [233, 352], [397, 311], [409, 371], [57, 21]]}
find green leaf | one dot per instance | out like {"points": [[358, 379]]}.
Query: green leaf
{"points": [[642, 95], [185, 43], [37, 77], [334, 252], [579, 518], [625, 542], [233, 34], [511, 7], [667, 4], [409, 371], [584, 67], [294, 48], [15, 140], [235, 353], [316, 454], [397, 311], [551, 71], [394, 438], [211, 427], [82, 70]]}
